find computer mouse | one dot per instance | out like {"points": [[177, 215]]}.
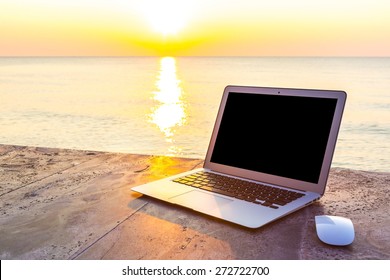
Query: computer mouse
{"points": [[334, 230]]}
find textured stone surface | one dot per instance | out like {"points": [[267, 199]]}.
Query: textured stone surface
{"points": [[68, 204]]}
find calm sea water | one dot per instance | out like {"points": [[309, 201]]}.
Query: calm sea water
{"points": [[167, 106]]}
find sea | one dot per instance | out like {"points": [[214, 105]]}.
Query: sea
{"points": [[168, 105]]}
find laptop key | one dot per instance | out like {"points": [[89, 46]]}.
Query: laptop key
{"points": [[207, 188], [278, 202], [267, 203]]}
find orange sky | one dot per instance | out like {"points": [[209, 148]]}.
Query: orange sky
{"points": [[194, 27]]}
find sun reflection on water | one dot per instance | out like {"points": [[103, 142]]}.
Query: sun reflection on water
{"points": [[170, 113]]}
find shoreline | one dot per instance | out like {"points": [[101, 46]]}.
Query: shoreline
{"points": [[7, 147], [124, 119], [73, 204]]}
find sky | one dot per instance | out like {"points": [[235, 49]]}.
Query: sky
{"points": [[194, 27]]}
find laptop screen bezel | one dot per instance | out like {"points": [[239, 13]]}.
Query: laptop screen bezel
{"points": [[319, 187]]}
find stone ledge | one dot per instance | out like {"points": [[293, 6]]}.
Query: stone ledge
{"points": [[69, 204]]}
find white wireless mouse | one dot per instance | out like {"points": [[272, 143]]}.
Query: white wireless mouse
{"points": [[335, 230]]}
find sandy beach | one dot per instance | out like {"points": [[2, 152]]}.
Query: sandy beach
{"points": [[73, 204]]}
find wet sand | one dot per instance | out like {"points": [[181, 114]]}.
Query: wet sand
{"points": [[70, 204]]}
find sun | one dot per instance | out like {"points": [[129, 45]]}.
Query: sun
{"points": [[167, 17]]}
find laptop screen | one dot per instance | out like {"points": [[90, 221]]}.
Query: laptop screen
{"points": [[274, 134]]}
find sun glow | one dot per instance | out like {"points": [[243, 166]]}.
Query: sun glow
{"points": [[166, 17]]}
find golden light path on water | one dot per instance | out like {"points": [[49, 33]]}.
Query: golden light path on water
{"points": [[170, 112]]}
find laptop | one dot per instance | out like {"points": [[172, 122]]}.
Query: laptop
{"points": [[269, 155]]}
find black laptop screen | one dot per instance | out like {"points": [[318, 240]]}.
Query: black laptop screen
{"points": [[278, 135]]}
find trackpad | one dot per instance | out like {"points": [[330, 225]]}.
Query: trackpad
{"points": [[200, 201]]}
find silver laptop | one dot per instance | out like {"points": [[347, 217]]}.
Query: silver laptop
{"points": [[269, 155]]}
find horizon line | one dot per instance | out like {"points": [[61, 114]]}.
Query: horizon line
{"points": [[200, 56]]}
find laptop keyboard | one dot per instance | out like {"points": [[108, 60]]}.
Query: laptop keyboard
{"points": [[249, 191]]}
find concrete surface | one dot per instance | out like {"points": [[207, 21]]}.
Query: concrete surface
{"points": [[68, 204]]}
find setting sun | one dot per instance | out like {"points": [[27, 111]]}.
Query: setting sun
{"points": [[166, 17], [194, 28]]}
